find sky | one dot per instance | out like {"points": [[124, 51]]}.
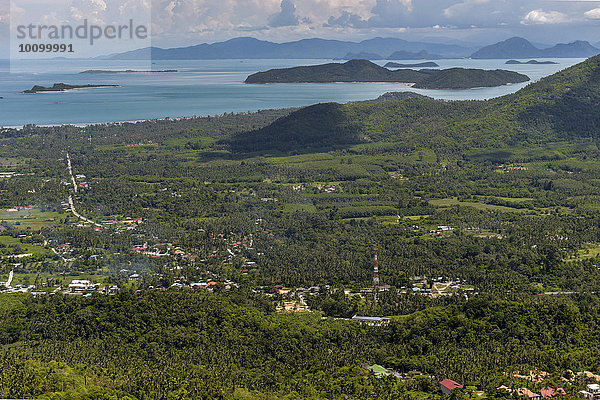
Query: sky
{"points": [[187, 22]]}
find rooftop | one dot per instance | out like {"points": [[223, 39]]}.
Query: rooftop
{"points": [[450, 384]]}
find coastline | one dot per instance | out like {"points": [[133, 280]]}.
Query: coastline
{"points": [[86, 124]]}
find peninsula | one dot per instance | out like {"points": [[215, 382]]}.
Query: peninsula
{"points": [[62, 87]]}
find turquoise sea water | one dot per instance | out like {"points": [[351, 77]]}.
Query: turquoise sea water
{"points": [[199, 88]]}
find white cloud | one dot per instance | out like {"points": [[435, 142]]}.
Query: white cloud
{"points": [[593, 14], [131, 7], [92, 10], [537, 17], [286, 17], [460, 8]]}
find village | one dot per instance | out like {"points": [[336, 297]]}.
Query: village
{"points": [[533, 379]]}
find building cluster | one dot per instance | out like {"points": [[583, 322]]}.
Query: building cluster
{"points": [[512, 167], [591, 392]]}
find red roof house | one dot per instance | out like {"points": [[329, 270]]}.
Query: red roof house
{"points": [[448, 385], [549, 392]]}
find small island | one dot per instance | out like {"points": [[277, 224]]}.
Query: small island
{"points": [[62, 87], [127, 71], [534, 62], [363, 71], [429, 64]]}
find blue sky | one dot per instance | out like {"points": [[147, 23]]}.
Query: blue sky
{"points": [[186, 22]]}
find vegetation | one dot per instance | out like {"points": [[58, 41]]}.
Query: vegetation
{"points": [[485, 216], [366, 71]]}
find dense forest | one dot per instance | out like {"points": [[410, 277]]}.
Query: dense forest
{"points": [[484, 213], [233, 346]]}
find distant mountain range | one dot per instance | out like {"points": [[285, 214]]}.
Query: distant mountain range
{"points": [[396, 55], [517, 47], [372, 49], [249, 48]]}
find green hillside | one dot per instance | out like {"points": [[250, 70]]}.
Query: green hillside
{"points": [[562, 106]]}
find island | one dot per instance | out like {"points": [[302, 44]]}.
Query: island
{"points": [[429, 64], [534, 62], [62, 87], [363, 71], [127, 71]]}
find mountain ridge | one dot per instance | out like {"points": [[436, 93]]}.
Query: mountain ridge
{"points": [[317, 48], [519, 48], [251, 48]]}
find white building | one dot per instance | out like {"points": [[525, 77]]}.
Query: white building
{"points": [[592, 392], [81, 285]]}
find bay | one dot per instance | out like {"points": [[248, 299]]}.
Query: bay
{"points": [[199, 88]]}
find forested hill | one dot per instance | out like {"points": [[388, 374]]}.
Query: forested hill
{"points": [[564, 105], [351, 71], [366, 71]]}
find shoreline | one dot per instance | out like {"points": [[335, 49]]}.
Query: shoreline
{"points": [[134, 121], [86, 124]]}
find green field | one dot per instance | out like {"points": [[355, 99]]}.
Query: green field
{"points": [[33, 219]]}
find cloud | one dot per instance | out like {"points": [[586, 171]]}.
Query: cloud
{"points": [[4, 12], [131, 7], [347, 19], [286, 17], [92, 10], [537, 17], [460, 8], [593, 14]]}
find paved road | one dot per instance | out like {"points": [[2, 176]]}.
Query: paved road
{"points": [[71, 203], [71, 173]]}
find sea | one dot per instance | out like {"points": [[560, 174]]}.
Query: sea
{"points": [[199, 88]]}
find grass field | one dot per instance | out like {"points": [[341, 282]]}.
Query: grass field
{"points": [[26, 247], [9, 162], [34, 219], [590, 250]]}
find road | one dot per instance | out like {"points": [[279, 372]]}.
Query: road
{"points": [[71, 203], [70, 167], [10, 278]]}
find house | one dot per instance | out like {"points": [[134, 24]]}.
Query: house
{"points": [[371, 320], [80, 285], [591, 392], [448, 385], [549, 392], [528, 393], [378, 371]]}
